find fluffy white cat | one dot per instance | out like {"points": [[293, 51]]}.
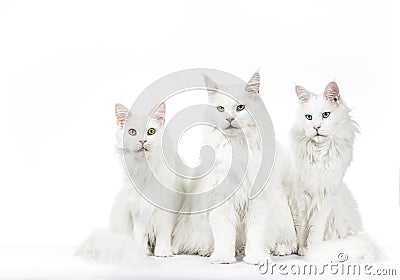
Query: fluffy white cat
{"points": [[263, 224], [322, 148], [136, 225]]}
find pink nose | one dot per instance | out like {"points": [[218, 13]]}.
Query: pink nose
{"points": [[142, 141], [317, 127], [230, 119]]}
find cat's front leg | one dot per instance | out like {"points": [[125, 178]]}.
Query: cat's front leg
{"points": [[299, 207], [165, 225], [301, 228], [140, 234], [301, 233], [317, 225], [256, 251], [223, 227]]}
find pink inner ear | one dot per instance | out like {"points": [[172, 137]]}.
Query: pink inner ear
{"points": [[159, 114], [254, 84], [331, 92], [302, 94], [211, 86], [121, 113]]}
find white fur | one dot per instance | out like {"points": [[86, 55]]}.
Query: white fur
{"points": [[112, 247], [135, 223], [358, 248], [322, 205], [263, 224]]}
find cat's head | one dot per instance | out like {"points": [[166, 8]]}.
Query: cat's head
{"points": [[231, 115], [135, 136], [322, 117]]}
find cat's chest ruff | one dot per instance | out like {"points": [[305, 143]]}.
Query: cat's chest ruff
{"points": [[144, 174], [249, 155], [320, 168], [324, 157], [243, 145]]}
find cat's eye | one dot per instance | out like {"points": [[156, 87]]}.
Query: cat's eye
{"points": [[220, 108], [240, 108], [325, 114], [132, 131], [151, 131], [308, 117]]}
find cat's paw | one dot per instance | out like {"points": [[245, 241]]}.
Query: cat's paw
{"points": [[204, 252], [163, 251], [257, 257], [301, 251], [280, 250], [284, 249], [175, 250], [217, 257]]}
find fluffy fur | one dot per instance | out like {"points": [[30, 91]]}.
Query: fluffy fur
{"points": [[357, 248], [112, 247], [322, 149], [137, 226], [261, 225]]}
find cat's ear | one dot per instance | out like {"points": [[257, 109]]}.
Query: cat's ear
{"points": [[253, 86], [121, 113], [211, 86], [159, 114], [331, 92], [303, 94]]}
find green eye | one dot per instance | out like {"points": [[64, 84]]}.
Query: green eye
{"points": [[308, 117], [325, 114], [151, 131], [220, 108], [132, 132], [240, 108]]}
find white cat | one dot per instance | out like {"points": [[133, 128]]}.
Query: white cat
{"points": [[322, 149], [263, 224], [132, 216]]}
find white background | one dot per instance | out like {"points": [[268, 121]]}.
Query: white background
{"points": [[64, 64]]}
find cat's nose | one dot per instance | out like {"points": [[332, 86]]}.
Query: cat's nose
{"points": [[230, 119], [142, 142], [317, 127]]}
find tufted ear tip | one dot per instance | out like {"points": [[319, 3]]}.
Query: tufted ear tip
{"points": [[119, 107]]}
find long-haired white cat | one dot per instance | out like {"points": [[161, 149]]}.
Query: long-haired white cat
{"points": [[263, 224], [322, 205], [136, 225]]}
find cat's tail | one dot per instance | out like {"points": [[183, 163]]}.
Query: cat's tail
{"points": [[112, 247], [358, 248]]}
